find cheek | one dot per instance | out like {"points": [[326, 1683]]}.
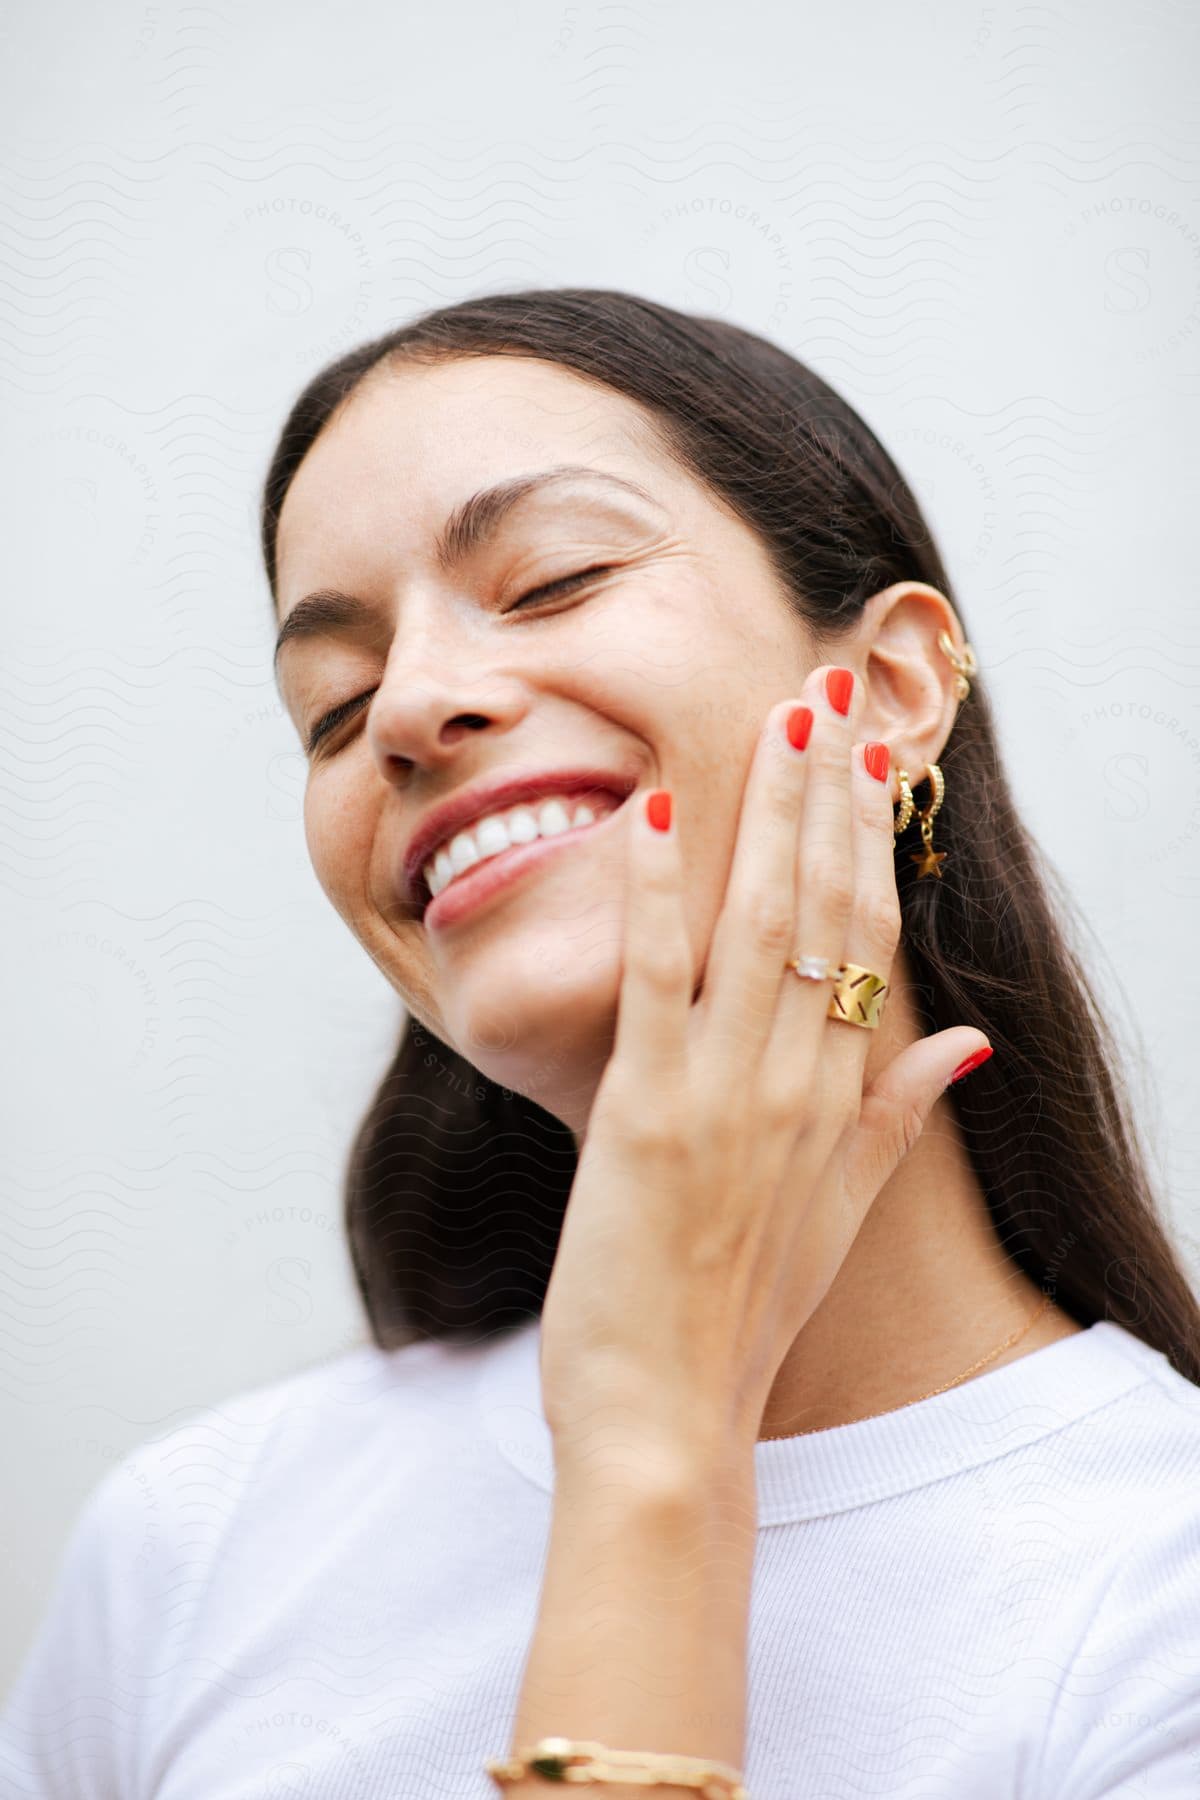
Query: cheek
{"points": [[339, 834], [711, 833], [350, 860]]}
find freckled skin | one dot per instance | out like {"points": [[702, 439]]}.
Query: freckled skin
{"points": [[665, 669]]}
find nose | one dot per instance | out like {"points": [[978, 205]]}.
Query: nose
{"points": [[427, 705]]}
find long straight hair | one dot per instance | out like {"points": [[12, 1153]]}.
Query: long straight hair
{"points": [[456, 1188]]}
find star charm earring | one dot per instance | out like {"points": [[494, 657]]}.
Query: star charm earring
{"points": [[928, 860]]}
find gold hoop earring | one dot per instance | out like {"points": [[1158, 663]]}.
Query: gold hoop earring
{"points": [[964, 663], [929, 860], [907, 803]]}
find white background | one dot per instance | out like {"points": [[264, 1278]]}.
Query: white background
{"points": [[979, 222]]}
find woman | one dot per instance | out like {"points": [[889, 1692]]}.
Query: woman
{"points": [[842, 1436]]}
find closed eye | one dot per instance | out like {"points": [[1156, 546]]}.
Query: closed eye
{"points": [[564, 585], [346, 708], [332, 719]]}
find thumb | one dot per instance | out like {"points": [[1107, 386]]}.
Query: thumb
{"points": [[897, 1103]]}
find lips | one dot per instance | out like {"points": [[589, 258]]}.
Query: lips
{"points": [[463, 897], [474, 800]]}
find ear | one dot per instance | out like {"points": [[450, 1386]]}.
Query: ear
{"points": [[911, 691]]}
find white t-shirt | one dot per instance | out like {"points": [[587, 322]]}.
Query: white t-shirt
{"points": [[326, 1587]]}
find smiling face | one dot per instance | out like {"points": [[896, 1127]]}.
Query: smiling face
{"points": [[468, 667]]}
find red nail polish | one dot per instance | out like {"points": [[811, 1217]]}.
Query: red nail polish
{"points": [[658, 809], [799, 724], [877, 757], [839, 685], [972, 1062]]}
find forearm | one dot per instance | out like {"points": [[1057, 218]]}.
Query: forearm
{"points": [[641, 1636]]}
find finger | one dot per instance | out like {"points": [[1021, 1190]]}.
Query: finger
{"points": [[873, 932], [654, 1002], [825, 890], [753, 935], [896, 1107]]}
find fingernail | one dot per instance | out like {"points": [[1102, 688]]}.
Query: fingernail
{"points": [[839, 685], [877, 757], [799, 724], [658, 809], [972, 1062]]}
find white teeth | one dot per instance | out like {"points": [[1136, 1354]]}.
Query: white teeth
{"points": [[491, 835], [552, 818], [463, 852], [522, 825]]}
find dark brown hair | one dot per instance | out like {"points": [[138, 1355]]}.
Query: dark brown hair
{"points": [[456, 1187]]}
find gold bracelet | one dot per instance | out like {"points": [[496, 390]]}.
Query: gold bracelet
{"points": [[561, 1759]]}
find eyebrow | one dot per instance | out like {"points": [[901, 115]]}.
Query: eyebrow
{"points": [[467, 528]]}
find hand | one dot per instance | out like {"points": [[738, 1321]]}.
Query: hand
{"points": [[733, 1151]]}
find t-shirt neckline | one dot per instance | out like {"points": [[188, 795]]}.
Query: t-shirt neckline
{"points": [[844, 1466]]}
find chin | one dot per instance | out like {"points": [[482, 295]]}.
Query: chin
{"points": [[538, 1018]]}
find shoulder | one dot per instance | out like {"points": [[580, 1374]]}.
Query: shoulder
{"points": [[214, 1454], [1127, 1671], [132, 1572], [1138, 1443], [191, 1479], [1127, 1706]]}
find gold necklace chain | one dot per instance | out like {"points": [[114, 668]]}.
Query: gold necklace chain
{"points": [[1008, 1343]]}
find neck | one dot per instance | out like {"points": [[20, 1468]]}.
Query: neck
{"points": [[925, 1291]]}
